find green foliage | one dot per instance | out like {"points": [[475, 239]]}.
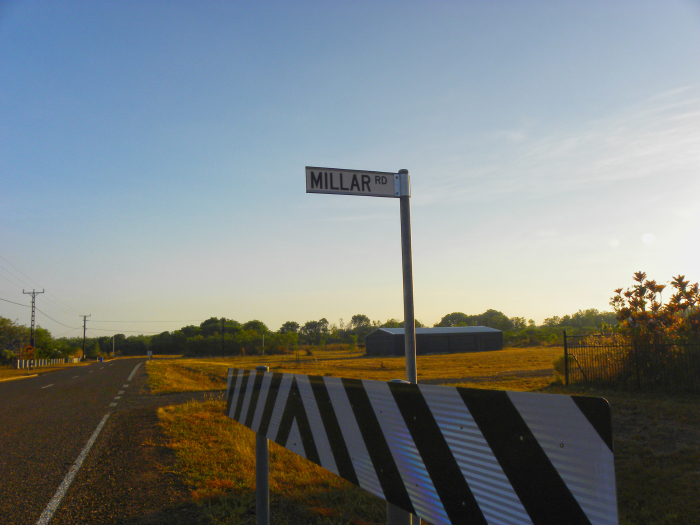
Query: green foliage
{"points": [[490, 318], [7, 357], [256, 326], [168, 343], [92, 351], [644, 317], [313, 332], [13, 336], [290, 326], [583, 321]]}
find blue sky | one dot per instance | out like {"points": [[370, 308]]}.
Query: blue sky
{"points": [[152, 157]]}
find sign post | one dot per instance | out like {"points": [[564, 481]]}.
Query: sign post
{"points": [[381, 184], [262, 473]]}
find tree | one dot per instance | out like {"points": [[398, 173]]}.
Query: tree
{"points": [[256, 326], [190, 331], [495, 319], [92, 351], [210, 327], [312, 331], [13, 336], [454, 319], [519, 323], [642, 315], [360, 321], [290, 327], [490, 318]]}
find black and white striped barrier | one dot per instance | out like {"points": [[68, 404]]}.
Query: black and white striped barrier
{"points": [[449, 455]]}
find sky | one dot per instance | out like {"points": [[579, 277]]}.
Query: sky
{"points": [[152, 157]]}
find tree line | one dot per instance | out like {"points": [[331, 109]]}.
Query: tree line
{"points": [[221, 336], [638, 312]]}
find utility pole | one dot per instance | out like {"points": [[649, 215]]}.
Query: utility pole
{"points": [[84, 329], [222, 336], [31, 333]]}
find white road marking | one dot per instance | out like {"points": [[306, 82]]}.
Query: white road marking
{"points": [[75, 377], [121, 392], [117, 397], [112, 404], [133, 372], [102, 368], [63, 488], [126, 385], [47, 386]]}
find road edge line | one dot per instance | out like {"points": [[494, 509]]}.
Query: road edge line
{"points": [[18, 377], [131, 376], [63, 488]]}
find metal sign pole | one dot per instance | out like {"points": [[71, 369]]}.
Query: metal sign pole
{"points": [[409, 322], [396, 515]]}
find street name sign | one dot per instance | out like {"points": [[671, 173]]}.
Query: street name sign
{"points": [[352, 182]]}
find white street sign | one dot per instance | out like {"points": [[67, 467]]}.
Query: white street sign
{"points": [[352, 182]]}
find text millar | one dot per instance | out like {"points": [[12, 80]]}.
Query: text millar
{"points": [[350, 182]]}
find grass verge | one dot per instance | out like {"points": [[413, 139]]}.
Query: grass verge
{"points": [[216, 457], [166, 377]]}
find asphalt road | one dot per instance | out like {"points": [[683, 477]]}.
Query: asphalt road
{"points": [[45, 423]]}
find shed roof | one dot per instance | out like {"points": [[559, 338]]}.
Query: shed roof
{"points": [[443, 330]]}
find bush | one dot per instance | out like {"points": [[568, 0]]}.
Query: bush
{"points": [[7, 357]]}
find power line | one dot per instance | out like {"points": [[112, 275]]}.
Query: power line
{"points": [[125, 331], [184, 321], [19, 304], [54, 320], [10, 281], [20, 271], [69, 331], [49, 296]]}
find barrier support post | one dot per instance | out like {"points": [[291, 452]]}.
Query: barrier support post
{"points": [[262, 474]]}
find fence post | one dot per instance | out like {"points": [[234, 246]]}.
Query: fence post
{"points": [[636, 362], [262, 474], [566, 362]]}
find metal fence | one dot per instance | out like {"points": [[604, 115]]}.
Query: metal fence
{"points": [[609, 360]]}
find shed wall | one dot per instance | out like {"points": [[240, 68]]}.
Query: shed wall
{"points": [[381, 343]]}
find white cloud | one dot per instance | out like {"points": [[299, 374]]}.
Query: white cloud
{"points": [[658, 140]]}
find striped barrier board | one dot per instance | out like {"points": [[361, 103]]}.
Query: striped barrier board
{"points": [[449, 455]]}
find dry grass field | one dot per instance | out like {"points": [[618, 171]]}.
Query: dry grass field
{"points": [[522, 369], [657, 438]]}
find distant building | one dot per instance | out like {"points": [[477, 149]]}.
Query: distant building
{"points": [[390, 341]]}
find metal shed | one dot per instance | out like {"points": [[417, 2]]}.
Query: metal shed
{"points": [[390, 341]]}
